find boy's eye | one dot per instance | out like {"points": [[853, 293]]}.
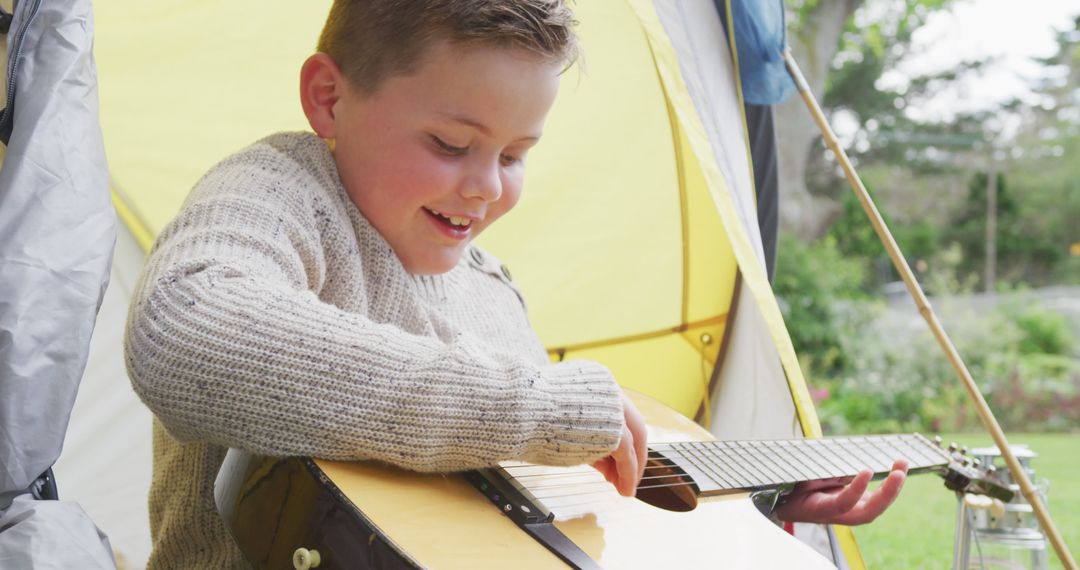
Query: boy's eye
{"points": [[449, 148], [509, 160]]}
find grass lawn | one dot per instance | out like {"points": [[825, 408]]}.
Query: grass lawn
{"points": [[918, 530]]}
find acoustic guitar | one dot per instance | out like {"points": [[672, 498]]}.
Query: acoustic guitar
{"points": [[693, 508]]}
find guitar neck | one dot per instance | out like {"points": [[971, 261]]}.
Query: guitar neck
{"points": [[719, 467]]}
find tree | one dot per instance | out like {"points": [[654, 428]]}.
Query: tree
{"points": [[842, 48], [813, 37]]}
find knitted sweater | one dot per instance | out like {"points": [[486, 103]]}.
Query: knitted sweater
{"points": [[273, 318]]}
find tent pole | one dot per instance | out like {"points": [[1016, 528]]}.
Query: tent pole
{"points": [[985, 414]]}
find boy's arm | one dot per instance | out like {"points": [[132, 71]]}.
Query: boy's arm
{"points": [[226, 345]]}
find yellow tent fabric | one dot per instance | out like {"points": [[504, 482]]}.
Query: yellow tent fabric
{"points": [[614, 209], [623, 241]]}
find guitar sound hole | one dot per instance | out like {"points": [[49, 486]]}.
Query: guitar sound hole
{"points": [[666, 487]]}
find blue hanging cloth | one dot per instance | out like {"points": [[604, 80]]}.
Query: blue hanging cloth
{"points": [[760, 37]]}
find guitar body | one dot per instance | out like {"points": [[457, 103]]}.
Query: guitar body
{"points": [[368, 515]]}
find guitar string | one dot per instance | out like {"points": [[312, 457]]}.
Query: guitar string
{"points": [[696, 462], [604, 483], [574, 509], [606, 492]]}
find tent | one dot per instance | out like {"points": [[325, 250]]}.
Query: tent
{"points": [[56, 240], [649, 260]]}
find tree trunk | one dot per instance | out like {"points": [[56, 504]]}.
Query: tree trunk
{"points": [[813, 43]]}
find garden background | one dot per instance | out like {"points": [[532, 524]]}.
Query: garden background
{"points": [[964, 126]]}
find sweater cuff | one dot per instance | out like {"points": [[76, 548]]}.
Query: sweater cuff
{"points": [[587, 422]]}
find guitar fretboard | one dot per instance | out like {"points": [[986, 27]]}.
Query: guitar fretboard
{"points": [[724, 466]]}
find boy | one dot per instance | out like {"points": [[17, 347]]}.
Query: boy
{"points": [[319, 293]]}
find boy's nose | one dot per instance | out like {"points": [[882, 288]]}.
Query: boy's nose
{"points": [[485, 183]]}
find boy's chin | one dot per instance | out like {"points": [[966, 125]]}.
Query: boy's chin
{"points": [[436, 264]]}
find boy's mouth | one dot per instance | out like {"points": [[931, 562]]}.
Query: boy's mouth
{"points": [[454, 222]]}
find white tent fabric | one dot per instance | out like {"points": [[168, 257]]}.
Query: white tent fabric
{"points": [[106, 464], [752, 399], [57, 230], [741, 409]]}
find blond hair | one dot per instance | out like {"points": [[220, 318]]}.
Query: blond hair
{"points": [[371, 40]]}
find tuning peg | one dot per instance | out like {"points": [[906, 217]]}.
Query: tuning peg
{"points": [[974, 501], [952, 447], [937, 440], [991, 469], [963, 450]]}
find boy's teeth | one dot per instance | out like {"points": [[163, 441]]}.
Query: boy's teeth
{"points": [[454, 220]]}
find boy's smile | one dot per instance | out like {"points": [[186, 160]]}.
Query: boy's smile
{"points": [[433, 157]]}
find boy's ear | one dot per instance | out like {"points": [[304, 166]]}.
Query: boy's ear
{"points": [[321, 87]]}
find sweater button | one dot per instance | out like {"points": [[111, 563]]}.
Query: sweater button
{"points": [[304, 559], [505, 272], [477, 256]]}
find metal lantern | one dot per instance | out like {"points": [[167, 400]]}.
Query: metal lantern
{"points": [[995, 535]]}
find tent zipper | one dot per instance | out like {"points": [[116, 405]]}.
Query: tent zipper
{"points": [[7, 120]]}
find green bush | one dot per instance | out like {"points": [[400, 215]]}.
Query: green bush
{"points": [[809, 281], [1044, 332], [898, 379], [875, 369]]}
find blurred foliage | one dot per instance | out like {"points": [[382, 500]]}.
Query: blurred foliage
{"points": [[809, 280], [876, 368]]}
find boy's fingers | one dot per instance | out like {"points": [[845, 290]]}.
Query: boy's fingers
{"points": [[635, 422], [845, 499], [886, 493], [626, 460]]}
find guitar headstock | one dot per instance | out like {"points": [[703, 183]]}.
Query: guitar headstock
{"points": [[965, 474]]}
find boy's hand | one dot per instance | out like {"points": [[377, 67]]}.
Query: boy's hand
{"points": [[844, 501], [625, 466]]}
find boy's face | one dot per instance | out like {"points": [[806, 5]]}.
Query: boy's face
{"points": [[434, 157]]}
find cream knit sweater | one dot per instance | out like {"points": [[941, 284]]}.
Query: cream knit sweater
{"points": [[272, 317]]}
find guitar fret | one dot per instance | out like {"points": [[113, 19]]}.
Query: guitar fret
{"points": [[777, 466], [889, 448], [768, 473], [731, 476], [868, 455], [724, 462], [846, 448], [698, 449], [811, 467], [752, 464], [822, 449], [931, 455], [740, 479], [847, 461], [877, 461], [736, 457], [827, 449], [783, 449], [790, 474], [850, 462], [913, 450], [761, 475], [916, 449], [730, 463], [795, 463]]}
